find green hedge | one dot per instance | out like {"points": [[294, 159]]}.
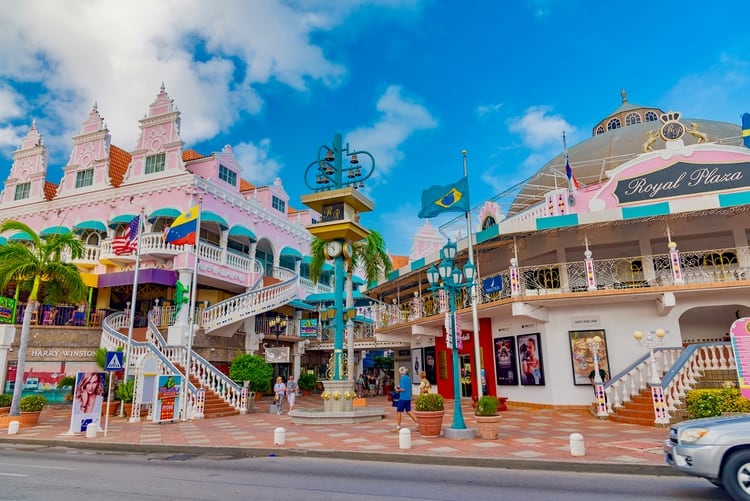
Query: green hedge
{"points": [[715, 402]]}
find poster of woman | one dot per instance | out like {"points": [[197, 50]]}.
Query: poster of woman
{"points": [[530, 355], [88, 396], [505, 361]]}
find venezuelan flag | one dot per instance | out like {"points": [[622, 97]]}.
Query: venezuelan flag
{"points": [[184, 229]]}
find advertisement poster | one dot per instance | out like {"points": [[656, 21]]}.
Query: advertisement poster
{"points": [[168, 398], [429, 364], [740, 333], [506, 361], [582, 357], [7, 306], [530, 355], [308, 327], [88, 396]]}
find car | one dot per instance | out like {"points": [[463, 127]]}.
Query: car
{"points": [[715, 448]]}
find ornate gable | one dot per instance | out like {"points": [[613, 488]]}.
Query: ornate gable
{"points": [[25, 184]]}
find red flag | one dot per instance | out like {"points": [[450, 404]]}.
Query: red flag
{"points": [[572, 181], [127, 243]]}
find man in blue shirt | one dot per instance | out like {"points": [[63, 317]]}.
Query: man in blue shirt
{"points": [[404, 400]]}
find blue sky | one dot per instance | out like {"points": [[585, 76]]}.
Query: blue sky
{"points": [[413, 82]]}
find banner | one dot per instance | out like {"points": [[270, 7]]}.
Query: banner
{"points": [[88, 396]]}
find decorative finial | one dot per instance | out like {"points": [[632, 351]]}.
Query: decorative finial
{"points": [[624, 95]]}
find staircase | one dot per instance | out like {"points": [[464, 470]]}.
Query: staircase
{"points": [[640, 410], [213, 405]]}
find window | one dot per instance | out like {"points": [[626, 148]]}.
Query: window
{"points": [[22, 192], [278, 204], [155, 163], [488, 222], [227, 175], [599, 130], [632, 119], [84, 178], [614, 124], [651, 116], [287, 262]]}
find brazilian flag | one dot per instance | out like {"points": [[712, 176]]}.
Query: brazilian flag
{"points": [[446, 198]]}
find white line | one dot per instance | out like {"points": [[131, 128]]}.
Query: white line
{"points": [[12, 474], [36, 466]]}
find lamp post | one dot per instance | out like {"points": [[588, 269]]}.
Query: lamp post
{"points": [[657, 392], [452, 282], [277, 326], [595, 344]]}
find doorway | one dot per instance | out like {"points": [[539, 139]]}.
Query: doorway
{"points": [[464, 362]]}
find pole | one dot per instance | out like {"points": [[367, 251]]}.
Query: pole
{"points": [[472, 293], [191, 311], [134, 296], [458, 417]]}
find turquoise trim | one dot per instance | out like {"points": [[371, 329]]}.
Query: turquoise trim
{"points": [[54, 230], [290, 252], [240, 231], [121, 219], [732, 199], [489, 233], [548, 223], [21, 235], [393, 275], [658, 209], [326, 267], [90, 225], [301, 305], [415, 265], [211, 217], [358, 280], [164, 212], [3, 240]]}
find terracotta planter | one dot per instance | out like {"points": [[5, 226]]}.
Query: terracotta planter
{"points": [[306, 393], [488, 427], [258, 396], [25, 420], [430, 423], [114, 406]]}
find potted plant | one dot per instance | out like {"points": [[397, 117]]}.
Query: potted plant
{"points": [[429, 410], [487, 418], [31, 407], [307, 382], [5, 400], [253, 372]]}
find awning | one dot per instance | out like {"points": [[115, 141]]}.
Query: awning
{"points": [[358, 280], [307, 260], [301, 305], [290, 252], [164, 212], [327, 297], [240, 231], [121, 219], [54, 230], [21, 235], [90, 279], [211, 217], [326, 267], [145, 276], [3, 240], [90, 225]]}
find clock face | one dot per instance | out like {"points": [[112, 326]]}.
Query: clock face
{"points": [[333, 249], [348, 250], [672, 130]]}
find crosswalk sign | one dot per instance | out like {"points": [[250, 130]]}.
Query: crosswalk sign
{"points": [[113, 362]]}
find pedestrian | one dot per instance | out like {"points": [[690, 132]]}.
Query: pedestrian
{"points": [[371, 384], [424, 383], [361, 385], [404, 398], [291, 391], [279, 389]]}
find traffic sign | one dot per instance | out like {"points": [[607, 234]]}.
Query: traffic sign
{"points": [[113, 362]]}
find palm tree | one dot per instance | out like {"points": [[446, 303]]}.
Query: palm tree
{"points": [[368, 254], [38, 267]]}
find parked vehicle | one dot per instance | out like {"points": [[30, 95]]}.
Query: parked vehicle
{"points": [[716, 448]]}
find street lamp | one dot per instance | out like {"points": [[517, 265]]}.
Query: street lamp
{"points": [[452, 282], [595, 344], [657, 392]]}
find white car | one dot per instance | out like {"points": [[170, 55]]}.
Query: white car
{"points": [[716, 448]]}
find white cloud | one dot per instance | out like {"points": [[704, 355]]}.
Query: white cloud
{"points": [[257, 166], [483, 110], [399, 118], [539, 128]]}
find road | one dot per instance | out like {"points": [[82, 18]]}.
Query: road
{"points": [[41, 473]]}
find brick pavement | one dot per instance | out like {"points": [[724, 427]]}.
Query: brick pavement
{"points": [[529, 438]]}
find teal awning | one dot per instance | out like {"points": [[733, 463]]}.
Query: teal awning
{"points": [[327, 297], [240, 231], [211, 217], [3, 240], [21, 235], [290, 252], [121, 219], [307, 260], [164, 212], [54, 230], [301, 305], [358, 280], [326, 267], [90, 225]]}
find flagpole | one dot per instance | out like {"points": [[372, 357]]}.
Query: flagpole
{"points": [[191, 311], [474, 315], [131, 321]]}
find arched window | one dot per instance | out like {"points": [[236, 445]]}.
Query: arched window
{"points": [[614, 124], [488, 222], [651, 116], [632, 119], [599, 130]]}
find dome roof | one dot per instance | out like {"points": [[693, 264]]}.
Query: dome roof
{"points": [[591, 158]]}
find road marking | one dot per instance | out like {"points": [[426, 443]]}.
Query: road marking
{"points": [[36, 466], [12, 474]]}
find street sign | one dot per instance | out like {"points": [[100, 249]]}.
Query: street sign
{"points": [[113, 361]]}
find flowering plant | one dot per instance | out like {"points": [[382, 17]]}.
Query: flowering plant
{"points": [[326, 395], [348, 395], [336, 395]]}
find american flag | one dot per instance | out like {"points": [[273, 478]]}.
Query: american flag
{"points": [[127, 243]]}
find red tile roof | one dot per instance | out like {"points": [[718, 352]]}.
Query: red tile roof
{"points": [[50, 190], [188, 155], [119, 160], [399, 262]]}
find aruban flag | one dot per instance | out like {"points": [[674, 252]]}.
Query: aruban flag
{"points": [[127, 243], [572, 181]]}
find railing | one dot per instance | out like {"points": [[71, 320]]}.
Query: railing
{"points": [[638, 272], [65, 314]]}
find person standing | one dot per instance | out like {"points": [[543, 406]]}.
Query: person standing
{"points": [[279, 389], [404, 399], [291, 391]]}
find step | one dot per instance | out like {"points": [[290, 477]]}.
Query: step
{"points": [[631, 420]]}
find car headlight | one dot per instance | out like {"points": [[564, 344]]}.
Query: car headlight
{"points": [[692, 435]]}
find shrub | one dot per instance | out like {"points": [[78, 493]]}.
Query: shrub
{"points": [[429, 402], [5, 399], [487, 406], [307, 381], [254, 369], [715, 402], [66, 382], [32, 403], [125, 391]]}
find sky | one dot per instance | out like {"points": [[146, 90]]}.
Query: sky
{"points": [[413, 82]]}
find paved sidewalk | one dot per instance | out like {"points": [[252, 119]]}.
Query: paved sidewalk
{"points": [[529, 438]]}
